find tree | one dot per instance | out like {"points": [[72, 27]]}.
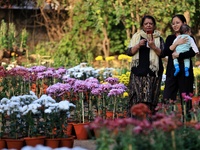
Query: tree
{"points": [[92, 27]]}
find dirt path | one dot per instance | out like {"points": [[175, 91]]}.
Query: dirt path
{"points": [[87, 144]]}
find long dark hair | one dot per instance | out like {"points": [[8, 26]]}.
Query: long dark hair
{"points": [[181, 17]]}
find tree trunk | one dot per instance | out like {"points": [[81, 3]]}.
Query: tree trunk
{"points": [[106, 43]]}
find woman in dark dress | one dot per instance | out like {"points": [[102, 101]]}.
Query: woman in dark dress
{"points": [[179, 83], [147, 67]]}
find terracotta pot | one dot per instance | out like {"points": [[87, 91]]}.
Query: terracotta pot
{"points": [[67, 142], [109, 114], [2, 143], [33, 141], [81, 131], [53, 143], [69, 129], [15, 143], [122, 114], [195, 100]]}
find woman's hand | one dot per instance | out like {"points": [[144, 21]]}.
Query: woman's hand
{"points": [[142, 42], [135, 48], [175, 55], [180, 41], [152, 45]]}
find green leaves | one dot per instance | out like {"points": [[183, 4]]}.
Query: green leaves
{"points": [[96, 22]]}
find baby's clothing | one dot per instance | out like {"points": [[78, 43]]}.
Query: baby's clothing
{"points": [[183, 48]]}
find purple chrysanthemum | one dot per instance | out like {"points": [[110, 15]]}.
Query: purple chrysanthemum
{"points": [[115, 92], [112, 80], [79, 86], [105, 87], [119, 86], [97, 91], [58, 89], [68, 80]]}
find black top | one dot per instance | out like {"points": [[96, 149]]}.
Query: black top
{"points": [[167, 52], [143, 68]]}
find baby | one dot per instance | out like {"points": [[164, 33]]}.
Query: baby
{"points": [[185, 31]]}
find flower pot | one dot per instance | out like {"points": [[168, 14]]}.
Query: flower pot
{"points": [[15, 143], [195, 100], [53, 143], [2, 143], [81, 131], [67, 142], [122, 115], [109, 114], [33, 141], [69, 129]]}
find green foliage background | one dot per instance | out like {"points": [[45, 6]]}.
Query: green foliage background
{"points": [[94, 21]]}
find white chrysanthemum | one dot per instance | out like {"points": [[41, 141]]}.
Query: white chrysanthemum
{"points": [[15, 99], [35, 111], [47, 111], [45, 99], [24, 108], [14, 104], [5, 101], [5, 107], [34, 106], [65, 105]]}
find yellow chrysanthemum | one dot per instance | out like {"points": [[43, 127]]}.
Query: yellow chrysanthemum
{"points": [[13, 54], [164, 72], [110, 58], [129, 59], [128, 73], [99, 58], [125, 94], [196, 71], [162, 87], [123, 57]]}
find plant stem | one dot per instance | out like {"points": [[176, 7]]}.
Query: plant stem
{"points": [[82, 104], [104, 108], [184, 113], [89, 107], [173, 140], [114, 109]]}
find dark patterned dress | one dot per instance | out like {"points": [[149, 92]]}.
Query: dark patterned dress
{"points": [[144, 84]]}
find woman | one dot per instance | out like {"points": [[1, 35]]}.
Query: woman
{"points": [[179, 83], [147, 67]]}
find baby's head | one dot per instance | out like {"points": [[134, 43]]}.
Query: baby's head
{"points": [[185, 29]]}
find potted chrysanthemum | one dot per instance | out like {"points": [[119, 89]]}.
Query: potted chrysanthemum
{"points": [[30, 115], [2, 127], [13, 123], [56, 116], [115, 95]]}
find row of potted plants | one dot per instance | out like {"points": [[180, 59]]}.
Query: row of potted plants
{"points": [[102, 95], [91, 96], [27, 116], [56, 86]]}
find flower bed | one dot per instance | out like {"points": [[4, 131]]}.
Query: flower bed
{"points": [[93, 92], [146, 131]]}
